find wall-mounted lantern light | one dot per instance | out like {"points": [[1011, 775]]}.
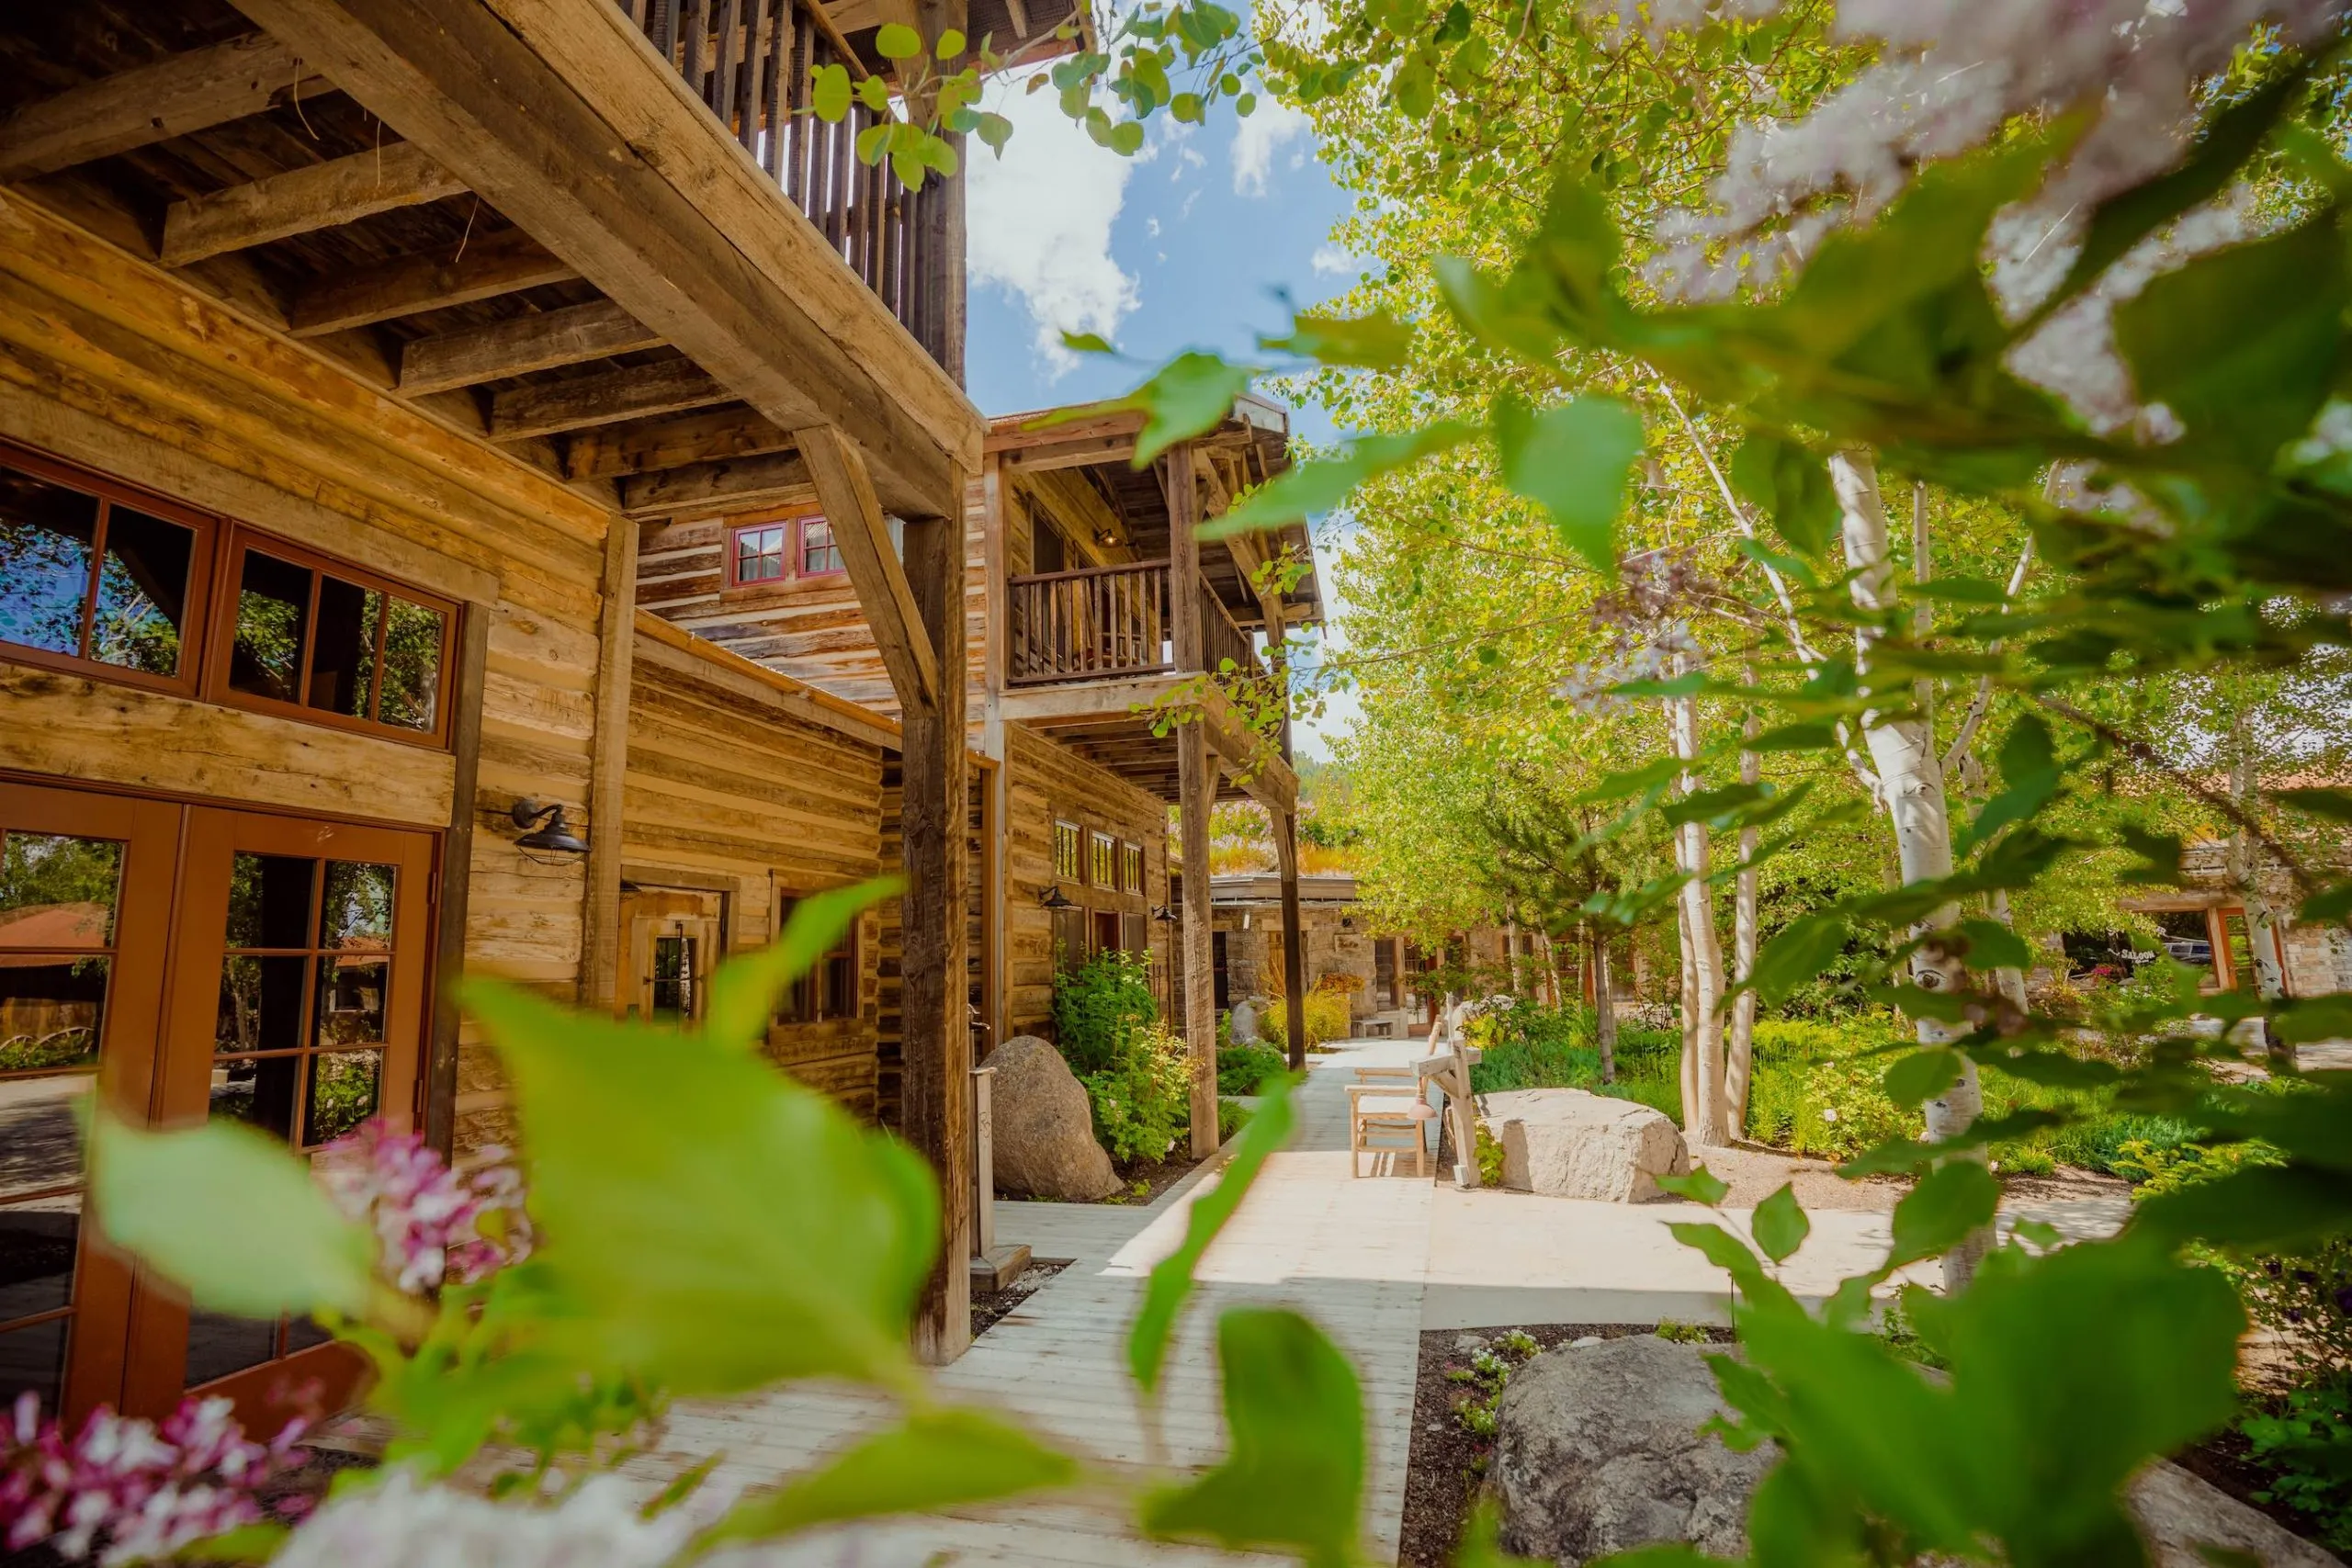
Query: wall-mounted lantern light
{"points": [[1054, 898], [546, 827]]}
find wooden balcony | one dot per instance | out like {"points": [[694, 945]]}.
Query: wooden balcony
{"points": [[1112, 623], [750, 63]]}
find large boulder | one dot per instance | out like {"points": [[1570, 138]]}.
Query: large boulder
{"points": [[1596, 1449], [1565, 1143], [1042, 1129]]}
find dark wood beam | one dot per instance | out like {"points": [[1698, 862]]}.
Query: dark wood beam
{"points": [[567, 121], [184, 93], [546, 408], [300, 201], [544, 341], [614, 451], [481, 268], [883, 591], [733, 485]]}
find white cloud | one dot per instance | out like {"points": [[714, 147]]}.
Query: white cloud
{"points": [[1333, 262], [1040, 225], [1274, 126]]}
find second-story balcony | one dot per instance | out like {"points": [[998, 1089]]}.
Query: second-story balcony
{"points": [[1109, 622]]}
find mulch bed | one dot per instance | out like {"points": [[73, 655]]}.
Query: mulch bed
{"points": [[989, 1309], [1443, 1471]]}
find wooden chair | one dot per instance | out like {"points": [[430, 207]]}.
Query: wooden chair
{"points": [[1382, 1120]]}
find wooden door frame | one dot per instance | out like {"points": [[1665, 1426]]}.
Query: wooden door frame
{"points": [[212, 836], [97, 1342]]}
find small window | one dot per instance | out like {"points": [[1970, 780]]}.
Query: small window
{"points": [[1047, 552], [310, 637], [819, 556], [1069, 940], [1130, 868], [1103, 861], [830, 989], [1066, 864], [89, 578], [757, 554]]}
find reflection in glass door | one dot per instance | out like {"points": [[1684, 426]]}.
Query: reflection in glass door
{"points": [[297, 1008], [84, 887]]}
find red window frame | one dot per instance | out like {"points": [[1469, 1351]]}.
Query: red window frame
{"points": [[801, 546], [820, 996], [203, 570], [229, 567], [787, 538]]}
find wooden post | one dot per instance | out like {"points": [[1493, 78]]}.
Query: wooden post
{"points": [[983, 1162], [617, 639], [1293, 939], [1196, 778], [934, 829], [440, 1118]]}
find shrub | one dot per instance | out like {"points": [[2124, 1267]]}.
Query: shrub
{"points": [[1328, 1018], [1241, 1070], [1144, 1098], [1231, 1117], [2306, 1445], [1098, 1005]]}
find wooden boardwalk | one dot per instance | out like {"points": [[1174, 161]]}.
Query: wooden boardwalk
{"points": [[1351, 1255]]}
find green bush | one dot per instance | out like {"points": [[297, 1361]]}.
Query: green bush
{"points": [[1143, 1100], [1328, 1018], [1231, 1117], [1097, 1007], [2306, 1445], [1241, 1070]]}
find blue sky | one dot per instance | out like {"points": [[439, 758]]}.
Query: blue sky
{"points": [[1184, 246]]}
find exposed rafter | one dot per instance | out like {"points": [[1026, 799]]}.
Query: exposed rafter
{"points": [[521, 345], [482, 269], [547, 408], [299, 201], [186, 93]]}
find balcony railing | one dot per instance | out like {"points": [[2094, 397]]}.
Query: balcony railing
{"points": [[1221, 640], [1088, 625], [749, 61]]}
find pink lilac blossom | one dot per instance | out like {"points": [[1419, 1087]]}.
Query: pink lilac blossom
{"points": [[1948, 74], [404, 1522], [126, 1490], [435, 1225]]}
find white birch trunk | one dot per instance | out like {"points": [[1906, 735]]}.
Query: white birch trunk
{"points": [[1911, 786], [1604, 1009], [1703, 1108], [1739, 1046], [2245, 868]]}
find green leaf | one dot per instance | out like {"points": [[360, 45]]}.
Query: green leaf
{"points": [[875, 93], [1796, 953], [1992, 945], [1478, 1547], [232, 1217], [2037, 1232], [1087, 343], [1172, 1277], [994, 131], [1923, 1074], [2241, 345], [2307, 1020], [1780, 1225], [1293, 1478], [1950, 1201], [895, 40], [1792, 486], [723, 1225], [1574, 459], [939, 1459], [1127, 138], [830, 95], [2030, 776], [1312, 487], [1702, 1186], [951, 44], [2328, 906], [2256, 1207], [745, 992], [1378, 342], [875, 141], [2159, 853], [2333, 804]]}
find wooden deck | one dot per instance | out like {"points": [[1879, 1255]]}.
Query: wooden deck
{"points": [[1349, 1254]]}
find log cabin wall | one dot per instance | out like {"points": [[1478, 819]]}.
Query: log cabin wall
{"points": [[111, 364], [732, 786], [890, 1048]]}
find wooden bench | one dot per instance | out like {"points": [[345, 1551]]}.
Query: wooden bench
{"points": [[1380, 1121]]}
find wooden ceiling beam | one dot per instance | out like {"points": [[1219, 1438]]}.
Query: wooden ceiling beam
{"points": [[481, 268], [617, 451], [545, 340], [302, 201], [548, 408], [130, 109], [779, 478]]}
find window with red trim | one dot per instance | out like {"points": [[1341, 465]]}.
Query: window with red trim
{"points": [[301, 631], [756, 554], [819, 555], [91, 575]]}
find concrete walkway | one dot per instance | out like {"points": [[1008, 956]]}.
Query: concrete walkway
{"points": [[1374, 1261]]}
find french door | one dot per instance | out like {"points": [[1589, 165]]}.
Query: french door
{"points": [[191, 964]]}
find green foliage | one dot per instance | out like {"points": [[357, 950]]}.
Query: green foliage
{"points": [[1328, 1017], [1240, 1070], [1675, 1332], [1490, 1157], [1231, 1117], [1142, 1100], [2306, 1445], [1099, 1005]]}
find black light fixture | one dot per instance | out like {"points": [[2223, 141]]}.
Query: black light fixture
{"points": [[1054, 898], [546, 827], [1166, 915]]}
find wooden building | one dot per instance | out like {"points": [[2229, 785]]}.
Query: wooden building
{"points": [[346, 346], [1092, 611]]}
